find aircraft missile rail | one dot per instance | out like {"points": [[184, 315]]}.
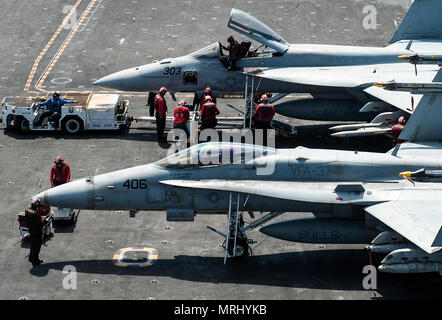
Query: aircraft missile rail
{"points": [[422, 59], [433, 87], [422, 174]]}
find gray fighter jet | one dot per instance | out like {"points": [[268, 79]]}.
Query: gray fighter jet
{"points": [[390, 200], [338, 77]]}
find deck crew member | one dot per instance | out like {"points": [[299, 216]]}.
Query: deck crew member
{"points": [[209, 111], [264, 113], [160, 113], [54, 105], [181, 115], [207, 92], [35, 224], [263, 116], [60, 172], [397, 129]]}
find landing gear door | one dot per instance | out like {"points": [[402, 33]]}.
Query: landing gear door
{"points": [[156, 193], [254, 29]]}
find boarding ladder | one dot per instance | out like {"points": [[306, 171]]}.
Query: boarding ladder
{"points": [[232, 224]]}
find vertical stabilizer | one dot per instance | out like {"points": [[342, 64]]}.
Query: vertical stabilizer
{"points": [[423, 21]]}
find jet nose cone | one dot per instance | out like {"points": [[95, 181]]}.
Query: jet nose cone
{"points": [[73, 195], [126, 80]]}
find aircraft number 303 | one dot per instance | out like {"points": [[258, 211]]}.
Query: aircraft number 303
{"points": [[135, 184], [172, 71]]}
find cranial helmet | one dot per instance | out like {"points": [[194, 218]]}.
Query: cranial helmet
{"points": [[264, 98], [35, 202], [401, 120], [58, 160]]}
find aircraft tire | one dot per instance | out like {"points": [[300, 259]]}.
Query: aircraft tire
{"points": [[241, 249]]}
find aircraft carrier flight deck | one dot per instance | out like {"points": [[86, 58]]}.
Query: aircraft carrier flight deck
{"points": [[40, 54]]}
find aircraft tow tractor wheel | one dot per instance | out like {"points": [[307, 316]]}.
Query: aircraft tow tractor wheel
{"points": [[23, 125], [72, 125]]}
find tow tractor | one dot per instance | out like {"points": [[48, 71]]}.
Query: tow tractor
{"points": [[90, 111], [64, 215]]}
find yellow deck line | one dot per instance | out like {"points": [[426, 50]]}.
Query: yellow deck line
{"points": [[65, 44], [50, 42]]}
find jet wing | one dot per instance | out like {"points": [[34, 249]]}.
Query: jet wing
{"points": [[324, 192], [348, 77], [361, 76], [418, 220]]}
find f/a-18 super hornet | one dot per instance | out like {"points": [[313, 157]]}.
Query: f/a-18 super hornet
{"points": [[389, 200], [339, 78]]}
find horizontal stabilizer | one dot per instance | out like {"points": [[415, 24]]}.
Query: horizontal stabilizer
{"points": [[404, 101], [417, 220]]}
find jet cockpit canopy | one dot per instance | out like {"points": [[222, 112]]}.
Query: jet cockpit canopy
{"points": [[256, 30], [214, 154]]}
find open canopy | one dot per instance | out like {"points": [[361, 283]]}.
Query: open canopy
{"points": [[256, 30]]}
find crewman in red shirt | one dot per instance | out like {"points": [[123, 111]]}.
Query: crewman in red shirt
{"points": [[60, 172], [160, 107], [209, 111], [264, 113], [181, 115], [207, 92], [397, 129]]}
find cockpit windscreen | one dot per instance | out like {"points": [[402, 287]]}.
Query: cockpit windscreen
{"points": [[211, 51]]}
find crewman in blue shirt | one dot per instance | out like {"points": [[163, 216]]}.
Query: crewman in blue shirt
{"points": [[54, 105]]}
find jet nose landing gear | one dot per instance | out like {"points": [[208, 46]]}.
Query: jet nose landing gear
{"points": [[240, 250], [236, 243]]}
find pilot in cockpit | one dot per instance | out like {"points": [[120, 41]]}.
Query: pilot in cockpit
{"points": [[234, 49]]}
